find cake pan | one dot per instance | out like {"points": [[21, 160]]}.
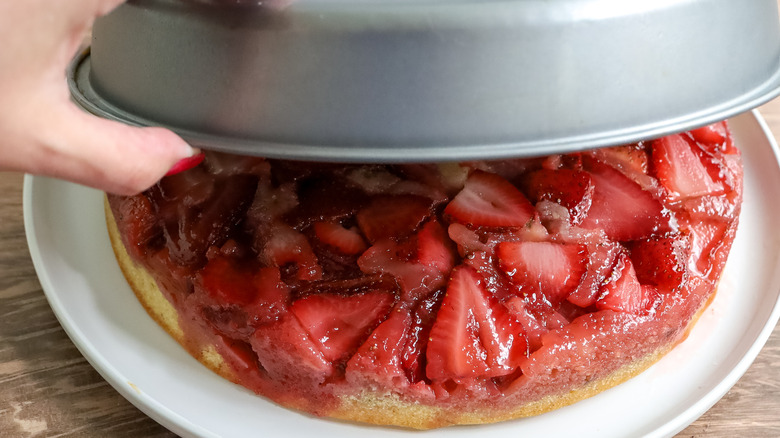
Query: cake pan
{"points": [[423, 80]]}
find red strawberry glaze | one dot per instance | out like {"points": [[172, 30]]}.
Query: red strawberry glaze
{"points": [[473, 286]]}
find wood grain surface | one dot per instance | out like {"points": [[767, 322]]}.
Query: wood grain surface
{"points": [[48, 389]]}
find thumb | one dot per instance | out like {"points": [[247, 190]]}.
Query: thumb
{"points": [[109, 155]]}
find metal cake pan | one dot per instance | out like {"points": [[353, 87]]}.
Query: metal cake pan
{"points": [[424, 80]]}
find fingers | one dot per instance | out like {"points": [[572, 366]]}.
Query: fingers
{"points": [[109, 155], [42, 131]]}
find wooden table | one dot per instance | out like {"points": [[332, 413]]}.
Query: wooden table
{"points": [[48, 389]]}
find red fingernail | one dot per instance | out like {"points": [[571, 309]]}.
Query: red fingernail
{"points": [[186, 164]]}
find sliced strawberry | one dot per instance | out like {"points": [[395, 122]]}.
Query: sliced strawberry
{"points": [[467, 240], [393, 216], [225, 282], [228, 282], [420, 263], [136, 222], [715, 135], [707, 245], [427, 175], [270, 203], [487, 200], [288, 354], [536, 316], [572, 189], [349, 286], [493, 279], [434, 247], [187, 188], [423, 317], [621, 208], [237, 353], [602, 257], [344, 240], [629, 158], [287, 246], [623, 293], [202, 220], [273, 295], [473, 335], [552, 269], [396, 260], [327, 197], [681, 170], [380, 358], [662, 261], [339, 324]]}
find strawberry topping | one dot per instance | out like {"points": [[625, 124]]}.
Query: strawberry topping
{"points": [[570, 188], [393, 216], [621, 208], [461, 285], [715, 135], [547, 268], [344, 240], [623, 293], [339, 324], [680, 169], [662, 261], [487, 200], [473, 335]]}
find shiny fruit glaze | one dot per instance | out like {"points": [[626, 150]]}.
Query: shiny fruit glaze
{"points": [[479, 285]]}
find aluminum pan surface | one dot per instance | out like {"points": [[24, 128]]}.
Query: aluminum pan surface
{"points": [[345, 80]]}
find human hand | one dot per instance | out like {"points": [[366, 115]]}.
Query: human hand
{"points": [[42, 131]]}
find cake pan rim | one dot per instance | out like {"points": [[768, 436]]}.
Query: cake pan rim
{"points": [[86, 98]]}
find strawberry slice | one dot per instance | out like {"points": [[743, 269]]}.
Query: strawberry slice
{"points": [[339, 324], [623, 293], [662, 261], [380, 358], [237, 353], [202, 219], [681, 170], [707, 244], [288, 353], [423, 317], [715, 135], [628, 158], [473, 335], [552, 269], [327, 197], [621, 208], [602, 257], [570, 188], [393, 216], [468, 240], [272, 297], [420, 263], [397, 260], [227, 282], [344, 240], [536, 316], [490, 201], [137, 223], [434, 247], [287, 246]]}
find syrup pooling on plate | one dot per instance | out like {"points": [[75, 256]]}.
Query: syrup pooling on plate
{"points": [[480, 285]]}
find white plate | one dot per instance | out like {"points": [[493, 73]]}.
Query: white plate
{"points": [[69, 245]]}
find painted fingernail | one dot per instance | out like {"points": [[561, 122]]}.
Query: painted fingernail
{"points": [[186, 164]]}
